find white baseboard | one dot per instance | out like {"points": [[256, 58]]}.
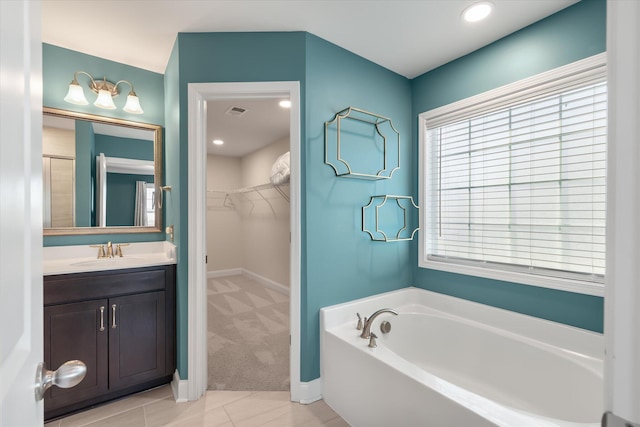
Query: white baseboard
{"points": [[271, 284], [305, 393], [309, 392], [223, 273], [179, 388]]}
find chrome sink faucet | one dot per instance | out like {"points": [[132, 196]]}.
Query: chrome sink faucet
{"points": [[366, 330]]}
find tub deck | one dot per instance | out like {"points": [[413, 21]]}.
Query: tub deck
{"points": [[451, 362]]}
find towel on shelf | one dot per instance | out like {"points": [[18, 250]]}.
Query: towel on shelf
{"points": [[281, 169]]}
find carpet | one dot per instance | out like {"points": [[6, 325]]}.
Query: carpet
{"points": [[248, 335]]}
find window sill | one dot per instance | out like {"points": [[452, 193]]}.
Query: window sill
{"points": [[568, 285]]}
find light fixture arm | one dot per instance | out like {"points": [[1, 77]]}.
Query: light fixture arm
{"points": [[131, 92], [106, 91], [98, 85], [75, 78]]}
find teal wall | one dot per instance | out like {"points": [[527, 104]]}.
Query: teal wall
{"points": [[340, 262], [172, 165], [572, 34], [58, 67], [59, 64], [128, 148], [85, 173], [213, 57], [122, 187]]}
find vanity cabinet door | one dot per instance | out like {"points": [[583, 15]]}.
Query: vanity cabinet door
{"points": [[77, 331], [129, 346], [137, 339]]}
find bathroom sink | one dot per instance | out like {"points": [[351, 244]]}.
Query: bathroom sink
{"points": [[108, 262], [83, 258]]}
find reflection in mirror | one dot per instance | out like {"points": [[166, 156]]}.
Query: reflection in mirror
{"points": [[100, 175]]}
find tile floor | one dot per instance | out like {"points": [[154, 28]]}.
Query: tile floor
{"points": [[217, 409]]}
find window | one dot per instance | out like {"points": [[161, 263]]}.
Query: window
{"points": [[150, 198], [514, 181]]}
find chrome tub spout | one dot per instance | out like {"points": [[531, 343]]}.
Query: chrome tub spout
{"points": [[366, 330]]}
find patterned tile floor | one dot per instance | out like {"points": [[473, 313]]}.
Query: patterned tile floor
{"points": [[156, 408], [248, 335]]}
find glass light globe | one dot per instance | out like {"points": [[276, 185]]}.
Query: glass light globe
{"points": [[105, 100], [75, 95], [133, 105]]}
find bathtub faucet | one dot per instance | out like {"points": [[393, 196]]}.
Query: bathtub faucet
{"points": [[366, 330]]}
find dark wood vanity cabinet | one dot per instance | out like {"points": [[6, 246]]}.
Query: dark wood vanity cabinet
{"points": [[120, 323]]}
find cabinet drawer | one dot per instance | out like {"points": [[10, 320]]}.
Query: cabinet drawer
{"points": [[104, 284]]}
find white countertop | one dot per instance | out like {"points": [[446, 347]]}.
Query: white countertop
{"points": [[83, 258]]}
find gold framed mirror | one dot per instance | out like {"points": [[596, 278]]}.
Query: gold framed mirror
{"points": [[100, 175]]}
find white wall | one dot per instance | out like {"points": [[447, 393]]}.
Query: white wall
{"points": [[58, 172], [267, 228], [224, 225], [58, 142], [256, 166], [254, 235]]}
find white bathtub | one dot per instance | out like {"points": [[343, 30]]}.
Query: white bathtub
{"points": [[452, 362]]}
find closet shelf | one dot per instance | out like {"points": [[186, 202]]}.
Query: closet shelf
{"points": [[231, 199], [216, 200], [263, 190]]}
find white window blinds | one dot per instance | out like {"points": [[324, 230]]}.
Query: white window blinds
{"points": [[521, 187]]}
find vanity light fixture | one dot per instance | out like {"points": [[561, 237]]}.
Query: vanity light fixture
{"points": [[106, 92], [477, 11], [285, 103]]}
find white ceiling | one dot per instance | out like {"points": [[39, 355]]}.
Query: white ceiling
{"points": [[263, 123], [408, 37]]}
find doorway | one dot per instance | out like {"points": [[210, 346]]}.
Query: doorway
{"points": [[199, 95], [248, 226]]}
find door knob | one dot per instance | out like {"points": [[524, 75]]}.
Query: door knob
{"points": [[611, 420], [69, 374]]}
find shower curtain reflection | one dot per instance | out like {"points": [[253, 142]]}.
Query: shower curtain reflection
{"points": [[140, 213]]}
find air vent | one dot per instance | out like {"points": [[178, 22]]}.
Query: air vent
{"points": [[236, 111]]}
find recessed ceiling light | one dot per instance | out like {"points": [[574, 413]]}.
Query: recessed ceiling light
{"points": [[285, 103], [218, 142], [477, 11]]}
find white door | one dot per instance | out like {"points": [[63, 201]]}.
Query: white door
{"points": [[20, 212], [101, 193], [622, 296]]}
